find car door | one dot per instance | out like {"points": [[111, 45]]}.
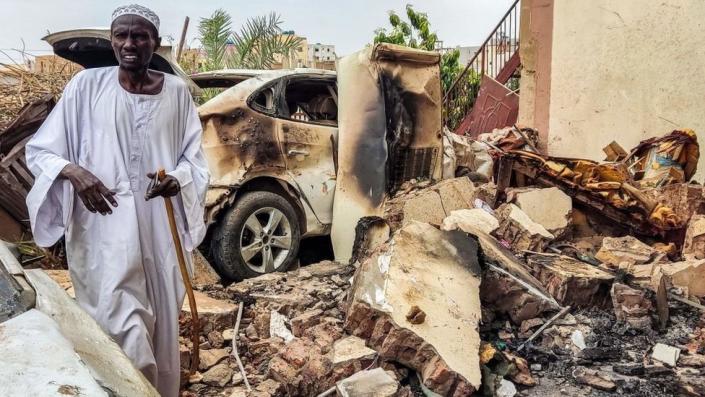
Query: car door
{"points": [[307, 130]]}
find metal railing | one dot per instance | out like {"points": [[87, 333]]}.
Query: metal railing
{"points": [[497, 57]]}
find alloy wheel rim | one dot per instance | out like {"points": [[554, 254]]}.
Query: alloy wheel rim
{"points": [[265, 240]]}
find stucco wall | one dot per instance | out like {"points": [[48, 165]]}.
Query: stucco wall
{"points": [[625, 70]]}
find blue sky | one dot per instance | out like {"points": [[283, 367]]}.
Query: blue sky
{"points": [[348, 25]]}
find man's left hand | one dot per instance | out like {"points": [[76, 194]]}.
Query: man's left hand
{"points": [[168, 187]]}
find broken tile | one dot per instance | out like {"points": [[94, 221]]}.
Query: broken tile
{"points": [[666, 354]]}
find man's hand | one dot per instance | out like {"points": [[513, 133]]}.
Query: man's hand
{"points": [[168, 187], [90, 190]]}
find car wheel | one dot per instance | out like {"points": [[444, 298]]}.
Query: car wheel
{"points": [[259, 234]]}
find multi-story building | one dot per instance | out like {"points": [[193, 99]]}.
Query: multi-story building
{"points": [[320, 53]]}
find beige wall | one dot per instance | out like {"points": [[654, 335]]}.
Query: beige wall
{"points": [[623, 70]]}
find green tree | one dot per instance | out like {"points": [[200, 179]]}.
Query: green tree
{"points": [[255, 46], [416, 32]]}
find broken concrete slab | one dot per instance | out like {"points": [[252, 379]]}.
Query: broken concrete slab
{"points": [[617, 250], [666, 354], [503, 294], [549, 207], [694, 243], [431, 204], [519, 231], [219, 375], [63, 278], [422, 266], [632, 306], [371, 383], [350, 348], [469, 220], [209, 358], [212, 313], [570, 281], [688, 275]]}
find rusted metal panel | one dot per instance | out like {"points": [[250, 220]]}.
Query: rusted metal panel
{"points": [[496, 107]]}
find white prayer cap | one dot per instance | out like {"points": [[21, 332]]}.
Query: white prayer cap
{"points": [[140, 11]]}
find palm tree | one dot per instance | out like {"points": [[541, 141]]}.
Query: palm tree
{"points": [[255, 46]]}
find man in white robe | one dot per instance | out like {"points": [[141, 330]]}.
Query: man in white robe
{"points": [[90, 158]]}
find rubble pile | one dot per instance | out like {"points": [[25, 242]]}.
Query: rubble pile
{"points": [[471, 288]]}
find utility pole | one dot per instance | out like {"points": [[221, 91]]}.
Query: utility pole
{"points": [[183, 38]]}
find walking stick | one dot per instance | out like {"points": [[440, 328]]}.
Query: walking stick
{"points": [[185, 276]]}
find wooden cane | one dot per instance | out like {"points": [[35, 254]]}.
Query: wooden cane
{"points": [[161, 174]]}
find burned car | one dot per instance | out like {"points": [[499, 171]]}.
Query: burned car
{"points": [[271, 142]]}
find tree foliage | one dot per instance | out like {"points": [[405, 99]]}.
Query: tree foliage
{"points": [[255, 46], [416, 32]]}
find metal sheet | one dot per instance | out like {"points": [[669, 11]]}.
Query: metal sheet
{"points": [[496, 107]]}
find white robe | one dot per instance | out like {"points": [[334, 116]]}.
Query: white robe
{"points": [[123, 266]]}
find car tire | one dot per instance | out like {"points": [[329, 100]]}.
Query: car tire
{"points": [[245, 245]]}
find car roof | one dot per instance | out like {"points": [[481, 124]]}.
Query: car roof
{"points": [[226, 78], [90, 48]]}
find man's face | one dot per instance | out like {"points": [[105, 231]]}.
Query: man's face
{"points": [[134, 40]]}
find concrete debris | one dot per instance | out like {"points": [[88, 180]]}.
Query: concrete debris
{"points": [[593, 378], [422, 266], [431, 204], [469, 220], [371, 383], [572, 282], [219, 375], [203, 273], [578, 339], [692, 360], [518, 231], [666, 354], [632, 306], [688, 275], [416, 315], [209, 358], [550, 207], [694, 244], [277, 327], [506, 389], [618, 250]]}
